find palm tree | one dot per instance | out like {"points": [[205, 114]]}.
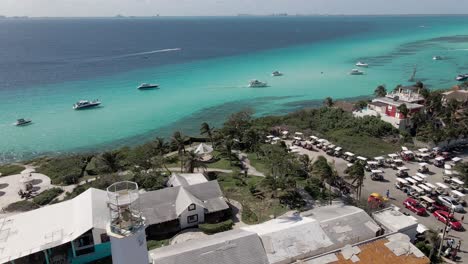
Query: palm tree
{"points": [[397, 88], [380, 91], [228, 144], [178, 140], [358, 175], [192, 162], [111, 160], [433, 238], [322, 169], [206, 129], [328, 102], [160, 146], [403, 109]]}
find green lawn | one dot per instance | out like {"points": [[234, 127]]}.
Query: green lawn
{"points": [[258, 164], [239, 189], [10, 169], [362, 145]]}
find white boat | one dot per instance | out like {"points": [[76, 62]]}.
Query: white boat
{"points": [[356, 72], [22, 122], [257, 83], [276, 74], [83, 104], [362, 64], [437, 58], [144, 86], [461, 77]]}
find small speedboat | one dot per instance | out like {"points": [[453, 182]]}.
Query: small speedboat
{"points": [[462, 77], [437, 58], [84, 104], [22, 122], [362, 64], [145, 86], [276, 74], [257, 83], [356, 72]]}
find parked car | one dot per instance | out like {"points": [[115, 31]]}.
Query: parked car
{"points": [[451, 203], [443, 216], [414, 206]]}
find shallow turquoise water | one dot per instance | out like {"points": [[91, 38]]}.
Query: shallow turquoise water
{"points": [[209, 90]]}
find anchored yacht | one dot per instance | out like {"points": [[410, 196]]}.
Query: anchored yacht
{"points": [[276, 74], [22, 122], [257, 83], [462, 77], [145, 86], [356, 72], [83, 104], [362, 64]]}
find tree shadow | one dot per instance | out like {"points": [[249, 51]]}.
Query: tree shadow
{"points": [[36, 181], [2, 193], [3, 185]]}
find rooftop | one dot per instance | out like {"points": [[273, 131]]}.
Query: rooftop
{"points": [[394, 220], [459, 95], [316, 232], [231, 247], [52, 225], [394, 249], [391, 101], [186, 179], [166, 204]]}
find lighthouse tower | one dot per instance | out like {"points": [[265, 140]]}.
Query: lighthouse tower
{"points": [[126, 229]]}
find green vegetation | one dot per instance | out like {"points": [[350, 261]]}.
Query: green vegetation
{"points": [[65, 169], [210, 229], [47, 196], [441, 121], [462, 168], [257, 204], [21, 206], [341, 128], [10, 169], [152, 244]]}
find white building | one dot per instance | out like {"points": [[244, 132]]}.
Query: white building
{"points": [[395, 221]]}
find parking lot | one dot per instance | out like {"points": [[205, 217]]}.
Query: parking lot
{"points": [[397, 196]]}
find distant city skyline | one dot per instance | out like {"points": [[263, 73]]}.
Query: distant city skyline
{"points": [[104, 8]]}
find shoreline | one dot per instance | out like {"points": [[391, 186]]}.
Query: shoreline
{"points": [[168, 130]]}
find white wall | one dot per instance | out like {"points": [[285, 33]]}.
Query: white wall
{"points": [[200, 211], [131, 249]]}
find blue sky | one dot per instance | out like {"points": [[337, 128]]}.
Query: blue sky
{"points": [[226, 7]]}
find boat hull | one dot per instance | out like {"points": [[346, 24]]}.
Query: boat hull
{"points": [[85, 106], [148, 87], [23, 123]]}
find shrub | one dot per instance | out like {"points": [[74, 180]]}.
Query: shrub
{"points": [[216, 228], [248, 216], [152, 244], [10, 169], [65, 170], [21, 206], [47, 196]]}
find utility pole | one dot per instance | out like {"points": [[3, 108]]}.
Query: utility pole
{"points": [[444, 233]]}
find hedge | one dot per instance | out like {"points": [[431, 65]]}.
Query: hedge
{"points": [[210, 229], [47, 196], [11, 169], [21, 206]]}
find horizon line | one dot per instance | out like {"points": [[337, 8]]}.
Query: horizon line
{"points": [[236, 15]]}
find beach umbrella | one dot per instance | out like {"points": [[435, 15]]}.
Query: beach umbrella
{"points": [[203, 149]]}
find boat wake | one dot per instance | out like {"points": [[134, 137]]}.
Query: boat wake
{"points": [[146, 53], [134, 54]]}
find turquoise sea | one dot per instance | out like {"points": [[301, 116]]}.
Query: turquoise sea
{"points": [[208, 85]]}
